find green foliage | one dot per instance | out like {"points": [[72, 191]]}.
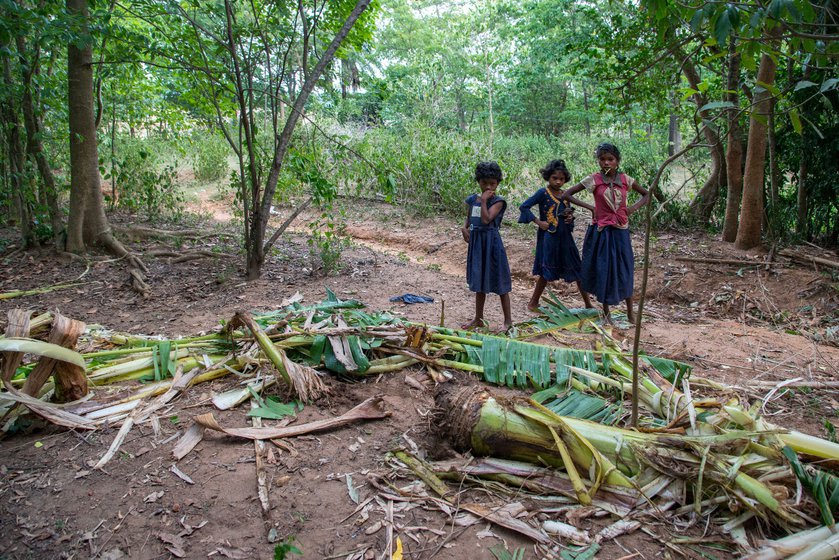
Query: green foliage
{"points": [[210, 153], [420, 95], [430, 171], [504, 554], [286, 547], [327, 241], [143, 180], [822, 485], [272, 407]]}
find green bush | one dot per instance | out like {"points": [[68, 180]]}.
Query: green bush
{"points": [[143, 180], [431, 170], [327, 242], [210, 155]]}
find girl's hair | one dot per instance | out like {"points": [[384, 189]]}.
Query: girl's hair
{"points": [[488, 170], [606, 148], [554, 166]]}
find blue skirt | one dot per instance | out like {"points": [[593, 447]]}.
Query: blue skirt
{"points": [[487, 269], [557, 257], [590, 231], [609, 266]]}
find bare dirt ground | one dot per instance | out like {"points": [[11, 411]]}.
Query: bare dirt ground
{"points": [[734, 324]]}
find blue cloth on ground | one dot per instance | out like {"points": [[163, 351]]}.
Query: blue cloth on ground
{"points": [[412, 298], [487, 269]]}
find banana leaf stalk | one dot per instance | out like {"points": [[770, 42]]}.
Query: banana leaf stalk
{"points": [[391, 364], [804, 444], [141, 342], [111, 409], [140, 351], [19, 293], [142, 367], [792, 544], [540, 480], [304, 381], [658, 395], [619, 457]]}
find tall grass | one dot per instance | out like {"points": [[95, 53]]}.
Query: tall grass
{"points": [[432, 171]]}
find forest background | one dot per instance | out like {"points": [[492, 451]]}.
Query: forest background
{"points": [[127, 104]]}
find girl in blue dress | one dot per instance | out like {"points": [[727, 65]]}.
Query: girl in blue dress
{"points": [[609, 265], [487, 269], [557, 257]]}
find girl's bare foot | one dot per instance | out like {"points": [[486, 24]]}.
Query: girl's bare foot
{"points": [[508, 330], [533, 308], [474, 324]]}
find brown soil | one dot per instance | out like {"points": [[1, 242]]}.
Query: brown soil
{"points": [[732, 324]]}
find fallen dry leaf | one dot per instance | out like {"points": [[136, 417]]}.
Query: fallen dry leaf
{"points": [[169, 538], [235, 553], [153, 497]]}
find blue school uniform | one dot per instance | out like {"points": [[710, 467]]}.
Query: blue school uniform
{"points": [[487, 269], [590, 230], [557, 256]]}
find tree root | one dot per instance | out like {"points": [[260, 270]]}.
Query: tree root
{"points": [[71, 256], [144, 231], [175, 257], [137, 269]]}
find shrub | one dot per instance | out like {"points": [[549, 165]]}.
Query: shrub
{"points": [[143, 181], [210, 155]]}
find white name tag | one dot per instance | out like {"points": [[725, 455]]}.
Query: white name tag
{"points": [[476, 211]]}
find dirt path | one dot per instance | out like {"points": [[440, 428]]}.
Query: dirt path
{"points": [[732, 324]]}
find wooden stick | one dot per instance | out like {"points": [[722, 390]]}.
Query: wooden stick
{"points": [[262, 477], [371, 409], [648, 219], [801, 383], [807, 259], [733, 262]]}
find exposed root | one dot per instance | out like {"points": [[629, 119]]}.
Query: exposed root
{"points": [[71, 256], [138, 282], [176, 257], [143, 231], [136, 267]]}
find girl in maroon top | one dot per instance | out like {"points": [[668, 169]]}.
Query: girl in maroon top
{"points": [[608, 268]]}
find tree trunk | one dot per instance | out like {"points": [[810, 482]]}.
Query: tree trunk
{"points": [[85, 182], [461, 114], [751, 209], [802, 224], [674, 136], [774, 168], [34, 146], [489, 102], [261, 208], [702, 206], [16, 158], [585, 106], [734, 149], [84, 159], [88, 224], [355, 78], [344, 77]]}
